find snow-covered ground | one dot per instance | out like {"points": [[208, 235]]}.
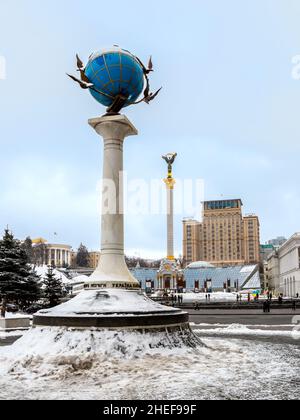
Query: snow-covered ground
{"points": [[57, 364], [217, 296], [283, 331], [11, 334], [198, 297], [214, 297]]}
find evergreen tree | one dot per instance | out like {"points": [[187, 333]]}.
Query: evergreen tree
{"points": [[27, 247], [83, 256], [32, 290], [19, 284], [39, 254], [53, 291]]}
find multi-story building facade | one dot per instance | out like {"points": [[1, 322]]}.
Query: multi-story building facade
{"points": [[277, 242], [265, 252], [224, 237], [191, 240], [57, 255], [272, 282], [289, 266], [94, 258], [284, 268], [251, 239]]}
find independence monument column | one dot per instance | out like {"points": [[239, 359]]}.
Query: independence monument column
{"points": [[168, 272], [170, 183]]}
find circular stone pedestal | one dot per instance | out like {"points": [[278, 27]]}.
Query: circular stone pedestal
{"points": [[117, 309]]}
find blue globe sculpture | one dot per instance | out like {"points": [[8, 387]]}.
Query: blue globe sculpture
{"points": [[116, 78], [115, 72]]}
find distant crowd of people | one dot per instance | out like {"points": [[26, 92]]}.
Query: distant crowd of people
{"points": [[176, 299]]}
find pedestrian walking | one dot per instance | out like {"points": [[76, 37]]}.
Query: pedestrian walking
{"points": [[265, 306]]}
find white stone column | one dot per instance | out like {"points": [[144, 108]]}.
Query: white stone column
{"points": [[170, 223], [112, 270], [170, 182]]}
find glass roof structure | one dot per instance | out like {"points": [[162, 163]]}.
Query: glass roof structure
{"points": [[248, 277]]}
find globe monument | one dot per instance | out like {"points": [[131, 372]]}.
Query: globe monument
{"points": [[112, 299]]}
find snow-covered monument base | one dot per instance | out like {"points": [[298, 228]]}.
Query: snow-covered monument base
{"points": [[119, 310]]}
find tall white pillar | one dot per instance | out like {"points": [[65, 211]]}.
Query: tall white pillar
{"points": [[112, 270], [170, 182], [170, 223]]}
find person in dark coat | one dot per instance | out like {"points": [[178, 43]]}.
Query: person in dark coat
{"points": [[265, 306]]}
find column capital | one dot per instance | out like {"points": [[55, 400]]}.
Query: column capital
{"points": [[113, 127], [170, 183]]}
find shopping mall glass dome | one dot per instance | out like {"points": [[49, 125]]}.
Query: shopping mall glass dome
{"points": [[200, 264]]}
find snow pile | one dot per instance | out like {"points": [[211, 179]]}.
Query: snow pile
{"points": [[106, 301], [243, 330], [79, 279], [214, 297], [49, 348], [96, 370], [42, 271]]}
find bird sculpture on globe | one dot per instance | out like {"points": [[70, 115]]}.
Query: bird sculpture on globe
{"points": [[116, 79]]}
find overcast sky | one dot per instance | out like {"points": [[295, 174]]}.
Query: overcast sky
{"points": [[229, 107]]}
